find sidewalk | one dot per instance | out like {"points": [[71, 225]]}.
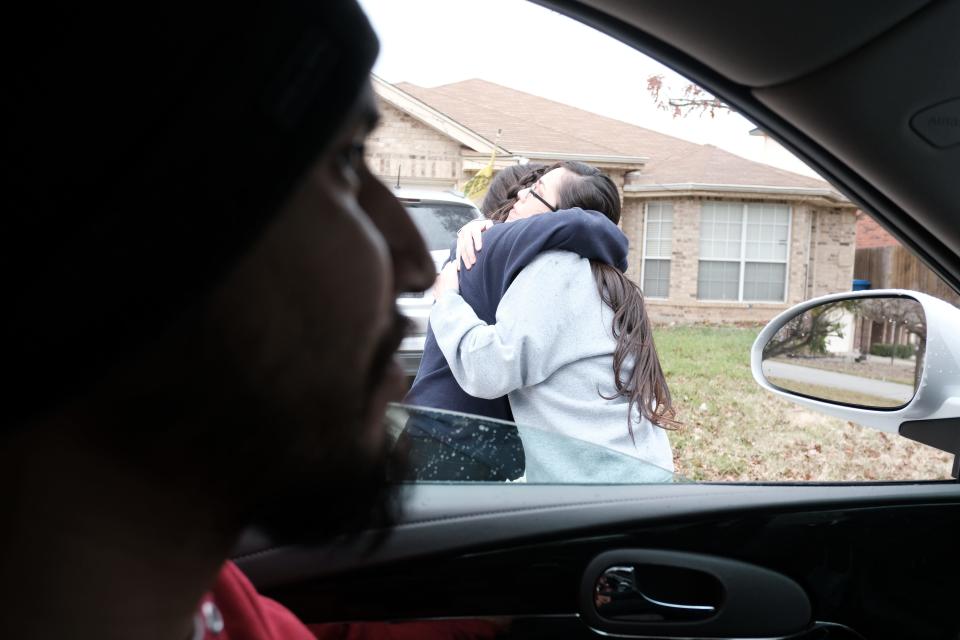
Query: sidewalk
{"points": [[809, 375]]}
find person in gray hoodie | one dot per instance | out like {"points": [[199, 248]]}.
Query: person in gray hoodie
{"points": [[444, 447], [572, 346]]}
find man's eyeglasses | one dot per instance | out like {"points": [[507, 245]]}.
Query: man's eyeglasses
{"points": [[532, 189]]}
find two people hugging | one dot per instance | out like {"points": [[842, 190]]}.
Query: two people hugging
{"points": [[535, 322]]}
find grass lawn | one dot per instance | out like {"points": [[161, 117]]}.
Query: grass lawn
{"points": [[734, 430]]}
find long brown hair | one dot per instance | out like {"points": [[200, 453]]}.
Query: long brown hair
{"points": [[644, 383]]}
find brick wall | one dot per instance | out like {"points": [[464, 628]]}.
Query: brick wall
{"points": [[664, 312], [871, 235], [617, 175], [424, 156], [631, 222], [685, 264], [833, 251], [798, 267]]}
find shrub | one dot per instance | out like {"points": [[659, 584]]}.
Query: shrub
{"points": [[887, 350]]}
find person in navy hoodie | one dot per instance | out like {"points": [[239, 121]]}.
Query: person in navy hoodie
{"points": [[442, 447]]}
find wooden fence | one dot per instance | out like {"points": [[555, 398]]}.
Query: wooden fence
{"points": [[896, 268]]}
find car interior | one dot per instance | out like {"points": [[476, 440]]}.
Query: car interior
{"points": [[866, 93]]}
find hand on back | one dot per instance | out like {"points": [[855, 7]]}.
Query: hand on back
{"points": [[469, 241]]}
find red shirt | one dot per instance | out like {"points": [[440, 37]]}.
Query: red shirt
{"points": [[233, 610]]}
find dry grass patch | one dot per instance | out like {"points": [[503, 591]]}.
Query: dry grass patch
{"points": [[734, 430]]}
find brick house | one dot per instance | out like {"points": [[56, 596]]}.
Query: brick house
{"points": [[714, 237]]}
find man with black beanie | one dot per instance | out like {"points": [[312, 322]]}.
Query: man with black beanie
{"points": [[201, 274]]}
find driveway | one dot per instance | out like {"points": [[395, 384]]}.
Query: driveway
{"points": [[823, 378]]}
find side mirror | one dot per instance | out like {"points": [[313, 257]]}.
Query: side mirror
{"points": [[885, 359]]}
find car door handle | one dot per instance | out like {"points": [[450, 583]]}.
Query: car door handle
{"points": [[621, 594], [650, 592]]}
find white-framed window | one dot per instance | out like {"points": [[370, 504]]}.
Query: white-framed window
{"points": [[657, 249], [744, 251]]}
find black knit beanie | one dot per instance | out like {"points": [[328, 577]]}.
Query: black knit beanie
{"points": [[144, 149]]}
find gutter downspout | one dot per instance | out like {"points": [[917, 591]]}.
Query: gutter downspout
{"points": [[811, 253]]}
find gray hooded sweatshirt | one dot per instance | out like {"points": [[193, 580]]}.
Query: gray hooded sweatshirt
{"points": [[551, 351]]}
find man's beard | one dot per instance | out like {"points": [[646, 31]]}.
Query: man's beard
{"points": [[285, 449], [345, 494], [329, 483]]}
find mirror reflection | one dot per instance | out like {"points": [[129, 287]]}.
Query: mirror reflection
{"points": [[860, 351]]}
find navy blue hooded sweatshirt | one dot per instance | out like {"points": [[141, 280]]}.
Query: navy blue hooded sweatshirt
{"points": [[507, 249]]}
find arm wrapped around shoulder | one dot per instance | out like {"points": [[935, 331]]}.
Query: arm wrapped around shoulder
{"points": [[526, 344]]}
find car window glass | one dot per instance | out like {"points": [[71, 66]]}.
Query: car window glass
{"points": [[446, 446], [439, 222], [726, 231]]}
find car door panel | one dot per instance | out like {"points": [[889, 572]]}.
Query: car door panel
{"points": [[878, 559]]}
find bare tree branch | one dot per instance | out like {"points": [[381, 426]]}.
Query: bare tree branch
{"points": [[807, 333], [691, 99]]}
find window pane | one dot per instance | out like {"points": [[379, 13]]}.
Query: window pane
{"points": [[764, 281], [447, 446], [767, 229], [720, 230], [438, 223], [659, 240], [718, 280], [656, 279]]}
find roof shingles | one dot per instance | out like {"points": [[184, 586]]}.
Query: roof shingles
{"points": [[530, 123]]}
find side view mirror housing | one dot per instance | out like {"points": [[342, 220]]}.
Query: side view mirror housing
{"points": [[886, 359]]}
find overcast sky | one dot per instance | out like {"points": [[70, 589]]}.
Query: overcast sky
{"points": [[527, 47]]}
